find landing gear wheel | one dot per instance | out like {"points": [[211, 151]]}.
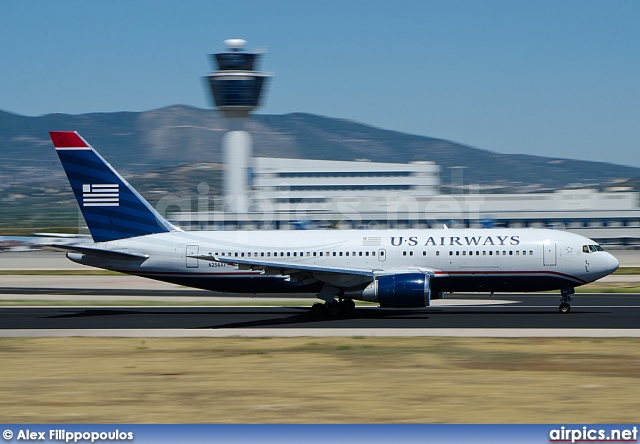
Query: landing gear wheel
{"points": [[565, 307], [347, 305], [333, 309], [318, 309]]}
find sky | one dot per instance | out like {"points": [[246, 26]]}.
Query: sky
{"points": [[556, 78]]}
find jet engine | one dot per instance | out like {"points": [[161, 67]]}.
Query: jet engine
{"points": [[404, 290]]}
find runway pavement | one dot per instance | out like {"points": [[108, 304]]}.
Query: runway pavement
{"points": [[460, 315], [532, 315]]}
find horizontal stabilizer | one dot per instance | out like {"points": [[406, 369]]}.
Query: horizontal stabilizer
{"points": [[107, 254]]}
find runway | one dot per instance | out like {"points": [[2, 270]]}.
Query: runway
{"points": [[506, 315], [600, 314]]}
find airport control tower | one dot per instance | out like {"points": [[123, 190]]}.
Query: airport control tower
{"points": [[236, 88]]}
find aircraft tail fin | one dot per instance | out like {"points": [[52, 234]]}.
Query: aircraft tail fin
{"points": [[110, 206]]}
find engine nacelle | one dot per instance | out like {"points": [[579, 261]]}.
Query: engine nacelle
{"points": [[405, 290]]}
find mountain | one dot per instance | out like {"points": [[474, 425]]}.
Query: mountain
{"points": [[139, 143]]}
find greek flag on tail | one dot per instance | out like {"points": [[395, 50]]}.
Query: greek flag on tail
{"points": [[110, 206]]}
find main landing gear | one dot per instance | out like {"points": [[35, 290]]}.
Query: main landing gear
{"points": [[565, 299], [334, 308]]}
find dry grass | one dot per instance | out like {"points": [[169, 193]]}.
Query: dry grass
{"points": [[609, 287], [319, 380]]}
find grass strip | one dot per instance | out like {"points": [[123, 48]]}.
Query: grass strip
{"points": [[89, 272], [320, 380], [627, 271]]}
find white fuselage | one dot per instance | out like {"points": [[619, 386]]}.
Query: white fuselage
{"points": [[485, 260]]}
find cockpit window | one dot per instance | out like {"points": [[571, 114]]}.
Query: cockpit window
{"points": [[591, 248]]}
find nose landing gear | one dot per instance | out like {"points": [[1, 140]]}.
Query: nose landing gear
{"points": [[565, 299]]}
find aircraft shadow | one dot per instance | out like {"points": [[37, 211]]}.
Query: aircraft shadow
{"points": [[300, 317]]}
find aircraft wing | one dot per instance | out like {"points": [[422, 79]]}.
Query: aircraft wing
{"points": [[108, 254], [285, 268]]}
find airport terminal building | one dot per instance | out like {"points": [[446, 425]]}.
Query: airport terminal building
{"points": [[300, 193]]}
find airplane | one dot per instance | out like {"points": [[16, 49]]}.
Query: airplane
{"points": [[38, 240], [402, 268]]}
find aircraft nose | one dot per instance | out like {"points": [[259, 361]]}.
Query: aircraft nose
{"points": [[612, 263]]}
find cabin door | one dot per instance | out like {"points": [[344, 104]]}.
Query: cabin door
{"points": [[191, 262], [549, 253]]}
